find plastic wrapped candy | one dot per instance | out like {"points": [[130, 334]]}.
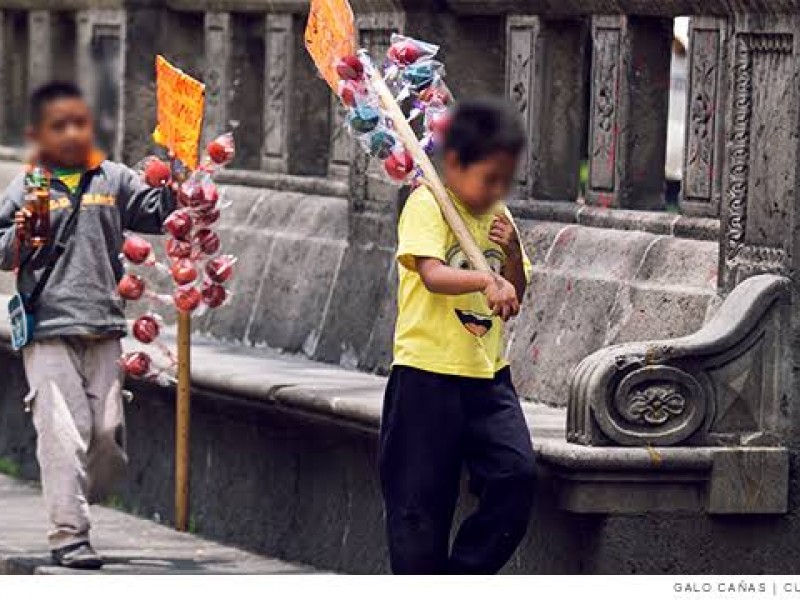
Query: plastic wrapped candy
{"points": [[131, 287], [210, 195], [207, 241], [399, 165], [179, 224], [214, 295], [137, 364], [207, 218], [381, 144], [178, 248], [353, 93], [406, 51], [184, 271], [191, 193], [222, 150], [220, 269], [350, 68], [156, 172], [421, 75], [363, 119], [186, 298], [437, 93], [146, 329], [136, 249]]}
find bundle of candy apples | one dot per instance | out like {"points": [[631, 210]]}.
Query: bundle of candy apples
{"points": [[416, 79], [195, 268]]}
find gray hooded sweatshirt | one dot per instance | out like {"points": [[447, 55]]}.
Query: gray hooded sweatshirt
{"points": [[80, 298]]}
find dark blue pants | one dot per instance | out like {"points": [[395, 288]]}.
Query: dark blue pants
{"points": [[432, 426]]}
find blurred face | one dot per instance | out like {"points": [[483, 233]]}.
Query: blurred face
{"points": [[482, 184], [64, 135]]}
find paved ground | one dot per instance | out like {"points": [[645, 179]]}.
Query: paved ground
{"points": [[129, 544]]}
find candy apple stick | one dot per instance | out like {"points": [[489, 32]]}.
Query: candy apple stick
{"points": [[429, 173]]}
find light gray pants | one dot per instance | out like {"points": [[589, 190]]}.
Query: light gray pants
{"points": [[76, 398]]}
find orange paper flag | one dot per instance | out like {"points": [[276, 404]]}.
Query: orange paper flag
{"points": [[181, 101], [330, 35]]}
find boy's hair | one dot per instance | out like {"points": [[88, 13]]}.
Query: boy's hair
{"points": [[480, 128], [47, 93]]}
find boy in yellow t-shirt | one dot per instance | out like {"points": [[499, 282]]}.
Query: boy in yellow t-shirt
{"points": [[450, 401]]}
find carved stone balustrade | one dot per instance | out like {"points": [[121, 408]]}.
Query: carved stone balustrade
{"points": [[718, 397], [723, 385]]}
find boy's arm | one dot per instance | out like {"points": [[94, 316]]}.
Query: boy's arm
{"points": [[504, 233], [144, 209], [439, 278]]}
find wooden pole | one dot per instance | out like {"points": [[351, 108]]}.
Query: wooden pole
{"points": [[182, 422], [409, 139]]}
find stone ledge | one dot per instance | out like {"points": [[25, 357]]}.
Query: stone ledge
{"points": [[708, 480], [658, 223], [284, 183], [589, 480]]}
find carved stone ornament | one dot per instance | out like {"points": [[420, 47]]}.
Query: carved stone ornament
{"points": [[720, 385]]}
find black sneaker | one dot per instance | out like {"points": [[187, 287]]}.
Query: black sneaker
{"points": [[77, 556]]}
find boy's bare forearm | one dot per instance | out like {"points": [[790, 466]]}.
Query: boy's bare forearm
{"points": [[442, 279], [514, 271]]}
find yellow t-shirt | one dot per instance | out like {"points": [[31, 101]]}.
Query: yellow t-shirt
{"points": [[452, 335]]}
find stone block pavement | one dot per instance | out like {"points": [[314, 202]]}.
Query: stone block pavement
{"points": [[130, 545]]}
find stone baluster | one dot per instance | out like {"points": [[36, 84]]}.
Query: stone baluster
{"points": [[40, 54], [629, 105], [100, 58], [759, 183], [216, 76], [143, 26], [545, 80], [296, 102], [705, 118], [14, 84]]}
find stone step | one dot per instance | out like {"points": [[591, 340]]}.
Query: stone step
{"points": [[130, 545]]}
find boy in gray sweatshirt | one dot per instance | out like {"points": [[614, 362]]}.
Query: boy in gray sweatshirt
{"points": [[72, 361]]}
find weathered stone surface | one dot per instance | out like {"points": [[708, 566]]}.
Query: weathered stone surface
{"points": [[629, 106], [724, 384], [545, 77]]}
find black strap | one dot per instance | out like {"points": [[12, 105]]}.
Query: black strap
{"points": [[60, 246]]}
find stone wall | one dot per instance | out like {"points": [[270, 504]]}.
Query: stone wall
{"points": [[314, 223]]}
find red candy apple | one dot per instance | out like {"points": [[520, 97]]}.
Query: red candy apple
{"points": [[350, 68], [131, 287], [178, 248], [136, 364], [191, 195], [220, 269], [404, 52], [399, 165], [186, 299], [207, 241], [146, 329], [184, 271], [156, 173], [179, 224], [206, 218], [435, 95], [214, 295], [136, 249], [221, 151]]}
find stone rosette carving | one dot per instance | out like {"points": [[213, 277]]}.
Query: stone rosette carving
{"points": [[720, 385]]}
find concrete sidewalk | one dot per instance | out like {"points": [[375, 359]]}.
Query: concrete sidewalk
{"points": [[130, 545]]}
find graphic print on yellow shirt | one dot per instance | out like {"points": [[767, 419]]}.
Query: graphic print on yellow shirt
{"points": [[452, 335]]}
